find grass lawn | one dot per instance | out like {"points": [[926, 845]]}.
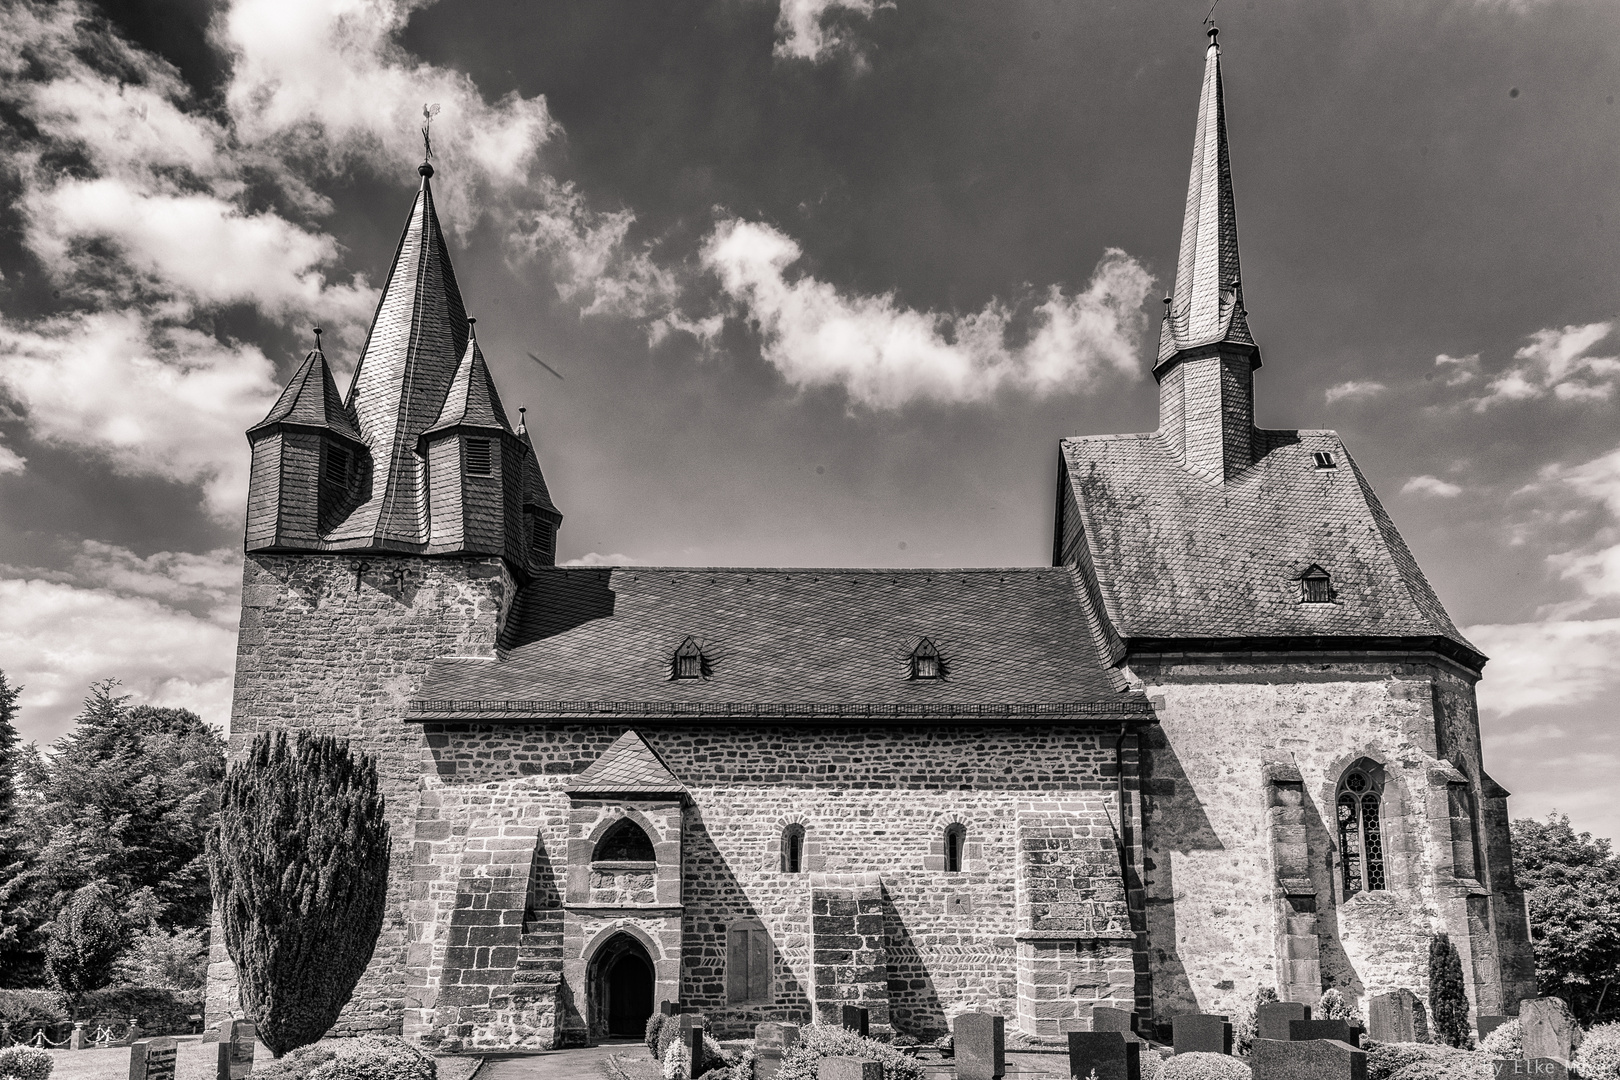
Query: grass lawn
{"points": [[194, 1061]]}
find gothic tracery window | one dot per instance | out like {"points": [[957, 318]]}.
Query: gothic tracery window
{"points": [[1361, 829]]}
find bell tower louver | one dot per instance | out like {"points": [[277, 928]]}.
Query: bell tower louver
{"points": [[1207, 356]]}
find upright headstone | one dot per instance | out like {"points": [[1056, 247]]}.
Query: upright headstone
{"points": [[1489, 1023], [1397, 1017], [848, 1068], [980, 1040], [692, 1041], [1108, 1018], [1201, 1033], [854, 1018], [152, 1059], [1307, 1059], [1271, 1018], [1340, 1030], [236, 1038], [772, 1043], [1548, 1029], [668, 1008], [1109, 1055]]}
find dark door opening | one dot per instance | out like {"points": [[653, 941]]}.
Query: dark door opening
{"points": [[622, 989]]}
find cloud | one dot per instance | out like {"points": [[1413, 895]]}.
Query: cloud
{"points": [[11, 461], [594, 558], [1430, 485], [808, 30], [885, 355], [1354, 390], [1458, 370], [1554, 362], [1558, 662]]}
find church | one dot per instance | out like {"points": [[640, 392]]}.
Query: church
{"points": [[1228, 740]]}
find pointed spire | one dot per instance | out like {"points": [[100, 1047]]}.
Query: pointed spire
{"points": [[472, 400], [416, 345], [1207, 305], [310, 399]]}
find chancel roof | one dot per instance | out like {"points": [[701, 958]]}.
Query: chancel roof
{"points": [[1178, 558], [628, 767], [789, 642]]}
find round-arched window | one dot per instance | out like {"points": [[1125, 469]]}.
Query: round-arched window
{"points": [[793, 849], [624, 842], [955, 847], [1360, 805]]}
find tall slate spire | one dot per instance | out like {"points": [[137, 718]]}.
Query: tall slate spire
{"points": [[417, 340], [1207, 304]]}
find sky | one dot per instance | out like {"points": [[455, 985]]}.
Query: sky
{"points": [[824, 282]]}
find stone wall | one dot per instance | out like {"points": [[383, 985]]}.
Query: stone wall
{"points": [[337, 644], [1212, 840]]}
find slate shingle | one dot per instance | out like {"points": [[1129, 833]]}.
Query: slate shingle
{"points": [[628, 767]]}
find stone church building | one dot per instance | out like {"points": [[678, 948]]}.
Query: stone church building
{"points": [[1227, 740]]}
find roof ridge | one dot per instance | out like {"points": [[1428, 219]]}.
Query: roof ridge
{"points": [[874, 571]]}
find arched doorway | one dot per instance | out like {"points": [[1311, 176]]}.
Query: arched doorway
{"points": [[621, 988]]}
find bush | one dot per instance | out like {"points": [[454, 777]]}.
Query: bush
{"points": [[157, 957], [299, 863], [1198, 1066], [1386, 1059], [29, 1007], [1244, 1029], [1460, 1066], [1334, 1007], [25, 1063], [159, 1010], [1448, 1001], [668, 1035], [655, 1026], [1598, 1057], [1507, 1041], [370, 1057], [825, 1040], [84, 940]]}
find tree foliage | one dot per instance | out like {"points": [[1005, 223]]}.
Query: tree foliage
{"points": [[299, 861], [1448, 1000], [1572, 882], [85, 939]]}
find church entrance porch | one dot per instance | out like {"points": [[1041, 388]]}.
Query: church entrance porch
{"points": [[621, 988]]}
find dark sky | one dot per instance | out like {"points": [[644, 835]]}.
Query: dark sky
{"points": [[798, 267]]}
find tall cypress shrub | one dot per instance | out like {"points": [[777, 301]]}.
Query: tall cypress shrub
{"points": [[1448, 1000], [82, 942], [299, 865]]}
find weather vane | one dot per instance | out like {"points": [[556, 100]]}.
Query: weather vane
{"points": [[428, 113]]}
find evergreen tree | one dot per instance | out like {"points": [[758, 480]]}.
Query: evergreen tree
{"points": [[85, 940], [299, 862], [1448, 999], [8, 763]]}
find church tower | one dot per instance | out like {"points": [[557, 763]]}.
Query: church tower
{"points": [[383, 530]]}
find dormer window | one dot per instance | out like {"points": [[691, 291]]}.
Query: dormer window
{"points": [[1324, 460], [925, 661], [689, 661], [1316, 587], [480, 457]]}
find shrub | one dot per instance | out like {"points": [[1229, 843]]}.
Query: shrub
{"points": [[1598, 1057], [668, 1035], [1152, 1064], [1334, 1007], [1448, 1001], [741, 1069], [655, 1025], [159, 1010], [1507, 1041], [25, 1063], [298, 1064], [1244, 1029], [1461, 1066], [157, 957], [825, 1040], [370, 1057], [299, 863], [84, 940], [32, 1007], [1386, 1059], [1197, 1066]]}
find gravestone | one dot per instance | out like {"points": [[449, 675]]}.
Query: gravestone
{"points": [[1548, 1029], [76, 1040], [1529, 1069], [152, 1059], [1201, 1033], [854, 1018], [1307, 1059], [772, 1043], [1111, 1055], [1108, 1018], [848, 1068], [1271, 1018], [1489, 1023], [980, 1040], [236, 1039], [1340, 1030], [692, 1041], [1397, 1017], [668, 1008]]}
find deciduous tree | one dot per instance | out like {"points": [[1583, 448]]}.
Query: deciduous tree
{"points": [[1572, 882]]}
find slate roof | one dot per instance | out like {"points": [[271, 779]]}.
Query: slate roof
{"points": [[472, 400], [310, 399], [1205, 306], [628, 767], [1177, 557], [778, 642]]}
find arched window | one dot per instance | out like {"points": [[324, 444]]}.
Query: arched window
{"points": [[793, 849], [624, 842], [1361, 824], [955, 848], [926, 663]]}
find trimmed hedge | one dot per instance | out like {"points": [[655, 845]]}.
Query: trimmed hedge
{"points": [[158, 1009], [25, 1063], [370, 1057], [826, 1040], [1198, 1066], [1598, 1057]]}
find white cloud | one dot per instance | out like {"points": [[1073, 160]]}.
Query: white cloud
{"points": [[1458, 369], [1554, 362], [1430, 485], [211, 581], [11, 461], [803, 30], [885, 355], [1354, 390], [596, 558], [1560, 662]]}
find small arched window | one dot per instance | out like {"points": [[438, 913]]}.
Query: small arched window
{"points": [[1361, 828], [689, 662], [624, 842], [793, 849], [926, 662], [955, 847]]}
